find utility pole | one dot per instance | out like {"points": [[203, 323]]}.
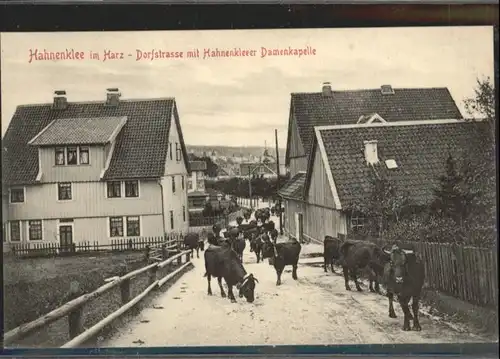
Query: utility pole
{"points": [[250, 185], [278, 180]]}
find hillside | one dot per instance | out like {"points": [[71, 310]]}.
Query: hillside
{"points": [[229, 151]]}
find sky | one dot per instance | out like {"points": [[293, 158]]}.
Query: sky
{"points": [[241, 100]]}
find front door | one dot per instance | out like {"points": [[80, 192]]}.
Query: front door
{"points": [[66, 238], [299, 226]]}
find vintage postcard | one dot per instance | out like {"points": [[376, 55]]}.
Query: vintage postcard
{"points": [[249, 187]]}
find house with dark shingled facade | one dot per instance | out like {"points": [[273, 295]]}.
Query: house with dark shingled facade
{"points": [[94, 171], [336, 137]]}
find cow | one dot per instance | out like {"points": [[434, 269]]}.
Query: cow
{"points": [[223, 262], [404, 275], [281, 255], [256, 244], [192, 242], [356, 255], [238, 244], [274, 234], [331, 252], [269, 226], [216, 228]]}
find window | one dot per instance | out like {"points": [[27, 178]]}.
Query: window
{"points": [[357, 221], [116, 227], [178, 154], [114, 189], [184, 213], [35, 230], [15, 231], [64, 191], [84, 155], [183, 184], [133, 227], [171, 219], [190, 184], [17, 195], [173, 184], [131, 188], [72, 155], [60, 156], [170, 149]]}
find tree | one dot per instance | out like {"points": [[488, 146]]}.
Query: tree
{"points": [[452, 198], [382, 204], [478, 168]]}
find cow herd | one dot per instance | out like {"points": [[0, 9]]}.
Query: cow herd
{"points": [[398, 269]]}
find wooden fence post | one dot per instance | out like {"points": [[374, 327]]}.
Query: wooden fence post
{"points": [[188, 257], [75, 318], [152, 275], [124, 286], [146, 255], [179, 260], [164, 252]]}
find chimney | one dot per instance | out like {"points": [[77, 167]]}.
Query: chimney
{"points": [[113, 97], [387, 90], [327, 89], [371, 153], [60, 100]]}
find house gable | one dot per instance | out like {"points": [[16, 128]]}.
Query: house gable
{"points": [[177, 161], [318, 189]]}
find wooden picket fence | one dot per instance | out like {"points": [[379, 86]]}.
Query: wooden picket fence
{"points": [[464, 272], [49, 249]]}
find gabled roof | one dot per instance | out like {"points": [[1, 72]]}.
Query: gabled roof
{"points": [[420, 150], [294, 188], [79, 131], [141, 145], [198, 165], [345, 107]]}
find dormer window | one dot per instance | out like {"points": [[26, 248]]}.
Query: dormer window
{"points": [[84, 155], [72, 155]]}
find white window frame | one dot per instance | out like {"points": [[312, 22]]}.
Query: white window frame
{"points": [[106, 189], [57, 192], [357, 217], [9, 229], [124, 188], [78, 163], [24, 195], [125, 222], [28, 230], [108, 222]]}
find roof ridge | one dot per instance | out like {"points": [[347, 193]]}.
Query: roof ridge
{"points": [[99, 101], [373, 89], [391, 124]]}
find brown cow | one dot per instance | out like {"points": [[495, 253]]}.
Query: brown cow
{"points": [[361, 255]]}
